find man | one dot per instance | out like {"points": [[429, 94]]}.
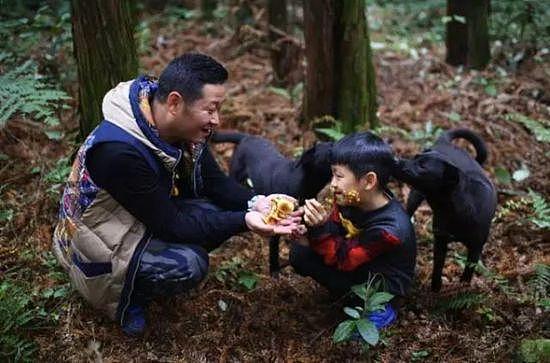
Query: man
{"points": [[133, 222]]}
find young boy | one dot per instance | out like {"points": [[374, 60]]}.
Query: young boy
{"points": [[365, 232]]}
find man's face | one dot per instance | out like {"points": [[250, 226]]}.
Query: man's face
{"points": [[194, 122]]}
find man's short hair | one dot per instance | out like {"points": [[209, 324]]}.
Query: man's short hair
{"points": [[365, 152], [187, 74]]}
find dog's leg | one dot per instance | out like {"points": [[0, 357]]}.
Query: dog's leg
{"points": [[471, 262], [440, 251], [274, 266], [413, 201]]}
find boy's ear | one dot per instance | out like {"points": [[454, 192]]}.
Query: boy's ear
{"points": [[369, 181]]}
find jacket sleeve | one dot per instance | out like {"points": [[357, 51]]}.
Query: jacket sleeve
{"points": [[221, 189], [127, 177]]}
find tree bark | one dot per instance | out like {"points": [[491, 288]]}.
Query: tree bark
{"points": [[105, 51], [468, 44], [340, 77], [277, 13], [356, 93]]}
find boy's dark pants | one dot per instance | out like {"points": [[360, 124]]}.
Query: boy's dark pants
{"points": [[306, 262]]}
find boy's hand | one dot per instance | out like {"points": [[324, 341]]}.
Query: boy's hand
{"points": [[314, 213]]}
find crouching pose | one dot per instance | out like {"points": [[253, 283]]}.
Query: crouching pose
{"points": [[361, 231], [145, 200]]}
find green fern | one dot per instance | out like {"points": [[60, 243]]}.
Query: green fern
{"points": [[22, 91], [540, 285], [461, 301], [541, 208], [541, 129]]}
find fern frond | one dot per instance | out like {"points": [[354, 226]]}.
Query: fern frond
{"points": [[460, 301], [541, 129], [541, 210], [23, 91], [540, 283]]}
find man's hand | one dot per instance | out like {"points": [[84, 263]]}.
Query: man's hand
{"points": [[263, 204], [314, 213], [255, 223]]}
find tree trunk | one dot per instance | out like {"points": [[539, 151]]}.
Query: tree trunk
{"points": [[105, 51], [478, 34], [356, 92], [468, 44], [319, 48], [277, 13], [207, 9], [340, 78]]}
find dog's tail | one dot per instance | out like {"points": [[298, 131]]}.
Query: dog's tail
{"points": [[472, 137], [227, 136]]}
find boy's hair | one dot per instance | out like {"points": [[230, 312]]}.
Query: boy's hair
{"points": [[365, 152], [187, 74]]}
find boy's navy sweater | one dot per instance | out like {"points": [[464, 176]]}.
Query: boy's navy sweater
{"points": [[385, 243]]}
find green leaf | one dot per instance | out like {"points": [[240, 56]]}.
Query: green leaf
{"points": [[503, 176], [35, 170], [248, 280], [6, 215], [540, 129], [54, 135], [368, 331], [297, 91], [491, 90], [4, 157], [378, 300], [280, 91], [360, 290], [332, 133], [352, 312], [418, 355], [521, 174], [454, 117], [343, 331], [460, 19]]}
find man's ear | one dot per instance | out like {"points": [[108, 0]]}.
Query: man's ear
{"points": [[451, 174], [174, 102]]}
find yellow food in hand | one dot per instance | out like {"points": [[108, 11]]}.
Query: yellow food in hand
{"points": [[281, 208]]}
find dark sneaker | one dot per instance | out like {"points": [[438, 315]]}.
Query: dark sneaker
{"points": [[135, 323]]}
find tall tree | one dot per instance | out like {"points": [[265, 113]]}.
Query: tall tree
{"points": [[467, 33], [105, 51], [278, 26], [340, 77]]}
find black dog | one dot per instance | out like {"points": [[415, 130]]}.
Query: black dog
{"points": [[257, 160], [462, 198]]}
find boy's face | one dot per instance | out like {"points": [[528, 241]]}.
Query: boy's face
{"points": [[344, 185]]}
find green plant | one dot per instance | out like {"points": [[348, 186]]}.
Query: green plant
{"points": [[461, 301], [426, 135], [541, 211], [540, 286], [57, 176], [373, 300], [232, 272], [23, 91], [334, 133], [540, 129], [17, 316]]}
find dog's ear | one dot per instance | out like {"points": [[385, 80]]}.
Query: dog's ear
{"points": [[307, 157], [451, 174]]}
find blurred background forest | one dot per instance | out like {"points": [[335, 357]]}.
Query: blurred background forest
{"points": [[299, 71]]}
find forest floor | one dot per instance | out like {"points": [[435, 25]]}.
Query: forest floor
{"points": [[291, 318]]}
